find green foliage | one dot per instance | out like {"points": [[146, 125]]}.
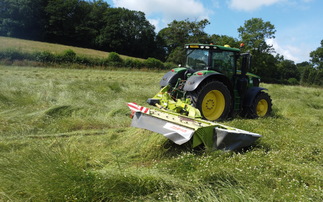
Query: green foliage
{"points": [[177, 56], [69, 56], [254, 34], [128, 32], [114, 57], [23, 19], [271, 69], [134, 63], [179, 33], [13, 54], [80, 23], [317, 57], [64, 20], [311, 76], [170, 65], [266, 66], [44, 56], [114, 60], [224, 40], [293, 81], [154, 63], [288, 72], [65, 135]]}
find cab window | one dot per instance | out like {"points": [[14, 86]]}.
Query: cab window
{"points": [[223, 62], [197, 59]]}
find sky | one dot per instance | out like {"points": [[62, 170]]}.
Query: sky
{"points": [[298, 23]]}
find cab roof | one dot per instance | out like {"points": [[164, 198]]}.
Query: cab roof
{"points": [[210, 47]]}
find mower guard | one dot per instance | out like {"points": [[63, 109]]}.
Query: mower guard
{"points": [[181, 129]]}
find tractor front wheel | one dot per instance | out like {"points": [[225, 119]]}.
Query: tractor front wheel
{"points": [[261, 107], [213, 100]]}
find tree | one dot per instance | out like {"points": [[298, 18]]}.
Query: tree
{"points": [[309, 74], [287, 70], [224, 40], [83, 23], [265, 65], [317, 57], [64, 17], [23, 18], [127, 32], [254, 34], [179, 33], [92, 22], [312, 73]]}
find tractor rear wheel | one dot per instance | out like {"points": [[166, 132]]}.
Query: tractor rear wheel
{"points": [[261, 107], [213, 100]]}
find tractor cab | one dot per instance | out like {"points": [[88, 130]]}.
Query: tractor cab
{"points": [[224, 60], [221, 59]]}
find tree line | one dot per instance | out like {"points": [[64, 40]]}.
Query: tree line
{"points": [[90, 24], [94, 24]]}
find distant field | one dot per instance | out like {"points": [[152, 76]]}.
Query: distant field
{"points": [[65, 135], [32, 46]]}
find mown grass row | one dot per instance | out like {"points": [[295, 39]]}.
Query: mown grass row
{"points": [[65, 135]]}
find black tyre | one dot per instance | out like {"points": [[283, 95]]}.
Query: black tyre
{"points": [[261, 107], [213, 100]]}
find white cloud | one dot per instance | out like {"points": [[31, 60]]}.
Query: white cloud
{"points": [[172, 8], [155, 22], [169, 10], [297, 53], [250, 5]]}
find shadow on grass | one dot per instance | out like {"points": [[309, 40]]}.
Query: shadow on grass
{"points": [[256, 146]]}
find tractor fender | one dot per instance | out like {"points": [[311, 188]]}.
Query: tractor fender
{"points": [[170, 78], [194, 81], [251, 95]]}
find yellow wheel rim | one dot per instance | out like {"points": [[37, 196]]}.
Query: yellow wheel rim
{"points": [[213, 105], [262, 108]]}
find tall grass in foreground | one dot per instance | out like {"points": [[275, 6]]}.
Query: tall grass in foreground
{"points": [[65, 136]]}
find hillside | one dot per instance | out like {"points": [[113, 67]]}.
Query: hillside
{"points": [[35, 46], [65, 135]]}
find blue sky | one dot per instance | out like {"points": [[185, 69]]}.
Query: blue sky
{"points": [[298, 23]]}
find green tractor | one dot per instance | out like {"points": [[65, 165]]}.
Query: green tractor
{"points": [[215, 81], [213, 85]]}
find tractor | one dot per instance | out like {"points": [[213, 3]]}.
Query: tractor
{"points": [[216, 81], [213, 85]]}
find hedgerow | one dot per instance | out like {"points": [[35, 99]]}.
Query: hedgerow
{"points": [[68, 56]]}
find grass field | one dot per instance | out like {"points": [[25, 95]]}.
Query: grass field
{"points": [[65, 136], [27, 46]]}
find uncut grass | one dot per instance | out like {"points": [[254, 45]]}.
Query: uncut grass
{"points": [[65, 135], [28, 46]]}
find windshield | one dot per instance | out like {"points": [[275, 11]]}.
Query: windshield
{"points": [[197, 59]]}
